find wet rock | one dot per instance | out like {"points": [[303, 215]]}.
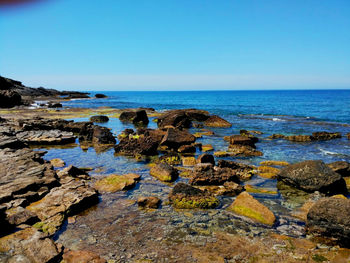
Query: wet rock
{"points": [[248, 206], [19, 215], [9, 99], [9, 140], [190, 149], [189, 161], [164, 172], [181, 118], [324, 136], [330, 217], [97, 135], [71, 197], [6, 227], [274, 163], [299, 138], [54, 105], [169, 158], [207, 174], [100, 96], [216, 121], [243, 146], [138, 117], [74, 172], [259, 190], [114, 183], [149, 202], [340, 167], [207, 148], [46, 137], [276, 136], [227, 189], [313, 176], [268, 172], [99, 118], [175, 138], [30, 245], [80, 256], [243, 171], [206, 158], [243, 140], [184, 196], [57, 162]]}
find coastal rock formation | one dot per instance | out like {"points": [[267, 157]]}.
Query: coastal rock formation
{"points": [[175, 138], [100, 96], [217, 122], [184, 196], [99, 119], [227, 189], [96, 135], [164, 172], [243, 171], [330, 217], [114, 182], [248, 206], [181, 118], [81, 256], [46, 137], [340, 167], [316, 136], [73, 172], [9, 99], [313, 176], [57, 162], [206, 158], [149, 202], [138, 117], [187, 149], [243, 146]]}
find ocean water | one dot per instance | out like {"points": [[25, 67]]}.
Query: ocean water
{"points": [[286, 112]]}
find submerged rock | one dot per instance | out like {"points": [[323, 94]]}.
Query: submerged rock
{"points": [[184, 196], [313, 176], [248, 206], [114, 183], [138, 117], [164, 172], [324, 136], [330, 217], [216, 121], [99, 118], [149, 202], [81, 256]]}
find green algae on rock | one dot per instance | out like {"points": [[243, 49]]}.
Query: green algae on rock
{"points": [[114, 182], [164, 172], [248, 206]]}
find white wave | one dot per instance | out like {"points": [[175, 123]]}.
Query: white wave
{"points": [[277, 119], [328, 152]]}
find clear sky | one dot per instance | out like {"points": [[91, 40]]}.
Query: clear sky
{"points": [[177, 44]]}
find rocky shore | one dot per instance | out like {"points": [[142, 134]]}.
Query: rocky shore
{"points": [[38, 197]]}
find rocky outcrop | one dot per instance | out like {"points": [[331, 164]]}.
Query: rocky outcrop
{"points": [[330, 217], [46, 137], [100, 96], [138, 117], [149, 202], [175, 138], [217, 122], [181, 118], [243, 171], [248, 206], [313, 176], [114, 182], [206, 158], [73, 171], [243, 146], [164, 172], [340, 167], [99, 119], [96, 135], [9, 99], [316, 136], [184, 196], [81, 256]]}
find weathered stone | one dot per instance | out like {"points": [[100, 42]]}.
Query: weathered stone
{"points": [[313, 176], [10, 141], [227, 189], [114, 183], [175, 138], [274, 163], [164, 172], [330, 217], [207, 148], [243, 171], [9, 99], [324, 136], [184, 196], [57, 162], [176, 118], [340, 167], [96, 135], [206, 158], [186, 149], [243, 151], [99, 118], [52, 104], [216, 121], [189, 161], [248, 206], [80, 256], [268, 172], [100, 96], [45, 137], [149, 202], [138, 117], [74, 172], [243, 140], [19, 215]]}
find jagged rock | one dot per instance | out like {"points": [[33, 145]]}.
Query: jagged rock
{"points": [[100, 96], [57, 163], [186, 149], [46, 137], [184, 196], [114, 182], [138, 117], [248, 206], [242, 151], [9, 99], [216, 121], [207, 174], [330, 217], [74, 172], [80, 256], [9, 140], [96, 135], [149, 202], [274, 163], [19, 215], [175, 138], [324, 136], [340, 167], [243, 171], [177, 119], [313, 176], [164, 172], [71, 197], [206, 158], [99, 119], [227, 189], [30, 245], [54, 105]]}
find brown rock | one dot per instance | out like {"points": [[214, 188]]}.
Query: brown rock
{"points": [[216, 121], [114, 183], [206, 158], [164, 172], [175, 138], [340, 167], [99, 119], [81, 256], [57, 162], [149, 202], [138, 117], [189, 161]]}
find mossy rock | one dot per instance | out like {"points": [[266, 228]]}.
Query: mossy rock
{"points": [[207, 148], [164, 172], [259, 190], [114, 182], [274, 163], [189, 161], [192, 203]]}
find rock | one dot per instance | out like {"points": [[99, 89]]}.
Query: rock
{"points": [[80, 256], [9, 140], [268, 172], [114, 183], [216, 121], [184, 196], [99, 119], [243, 171], [313, 176], [9, 99], [316, 136], [164, 172], [175, 138], [57, 162], [243, 140], [190, 149], [71, 197], [340, 167], [248, 206], [74, 172], [181, 118], [207, 174], [96, 135], [189, 161], [242, 151], [324, 136], [330, 217], [276, 136], [274, 163], [348, 135], [100, 96], [299, 138], [207, 148], [46, 137], [18, 215], [149, 202], [138, 117], [54, 105], [206, 158], [169, 158], [259, 190], [227, 189]]}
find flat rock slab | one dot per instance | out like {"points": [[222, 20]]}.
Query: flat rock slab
{"points": [[164, 172], [114, 182], [46, 137]]}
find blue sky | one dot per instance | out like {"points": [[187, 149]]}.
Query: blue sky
{"points": [[177, 44]]}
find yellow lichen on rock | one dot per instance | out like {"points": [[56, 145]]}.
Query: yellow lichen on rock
{"points": [[114, 182]]}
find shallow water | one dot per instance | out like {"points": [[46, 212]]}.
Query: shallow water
{"points": [[117, 229]]}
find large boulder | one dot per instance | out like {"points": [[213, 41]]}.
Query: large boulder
{"points": [[138, 117], [9, 99], [184, 196], [99, 118], [96, 135], [164, 172], [216, 121], [330, 217], [175, 138], [248, 206], [242, 171], [206, 158], [177, 119], [313, 176], [340, 167], [243, 146]]}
